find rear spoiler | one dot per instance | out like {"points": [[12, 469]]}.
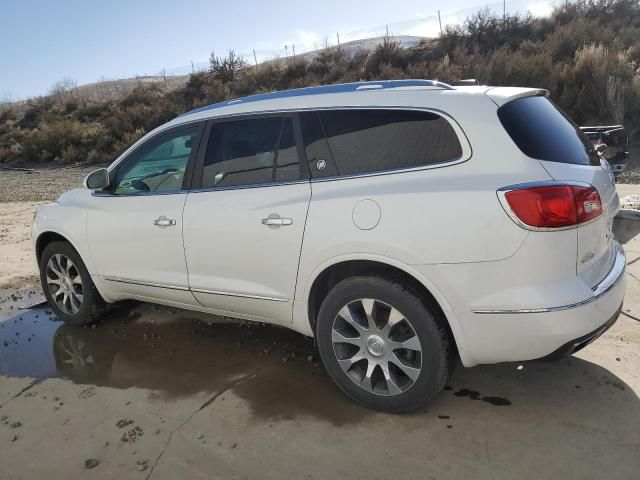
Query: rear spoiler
{"points": [[502, 95]]}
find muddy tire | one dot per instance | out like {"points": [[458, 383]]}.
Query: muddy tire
{"points": [[383, 345], [68, 287]]}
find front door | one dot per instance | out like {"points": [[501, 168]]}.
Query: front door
{"points": [[135, 228], [243, 228]]}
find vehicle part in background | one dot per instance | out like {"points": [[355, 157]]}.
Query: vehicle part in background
{"points": [[616, 141]]}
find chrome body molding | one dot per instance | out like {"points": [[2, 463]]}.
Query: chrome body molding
{"points": [[235, 294], [613, 277], [144, 283], [194, 290]]}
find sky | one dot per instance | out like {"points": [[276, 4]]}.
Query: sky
{"points": [[42, 42]]}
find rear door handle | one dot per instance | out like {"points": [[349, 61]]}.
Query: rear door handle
{"points": [[164, 222], [274, 220]]}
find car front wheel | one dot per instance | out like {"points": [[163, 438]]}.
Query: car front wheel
{"points": [[67, 285]]}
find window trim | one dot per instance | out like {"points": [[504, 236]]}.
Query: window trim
{"points": [[189, 169], [195, 166], [196, 183]]}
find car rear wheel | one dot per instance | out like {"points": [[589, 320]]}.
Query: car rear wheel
{"points": [[67, 285], [383, 344]]}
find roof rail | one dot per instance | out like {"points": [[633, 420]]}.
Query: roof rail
{"points": [[466, 82], [324, 89]]}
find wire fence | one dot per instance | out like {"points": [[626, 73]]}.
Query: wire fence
{"points": [[407, 32]]}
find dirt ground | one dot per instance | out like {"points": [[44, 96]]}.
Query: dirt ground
{"points": [[154, 392]]}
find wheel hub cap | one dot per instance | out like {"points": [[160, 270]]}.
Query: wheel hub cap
{"points": [[375, 345], [66, 283]]}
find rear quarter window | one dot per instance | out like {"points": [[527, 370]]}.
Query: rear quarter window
{"points": [[349, 142], [542, 131]]}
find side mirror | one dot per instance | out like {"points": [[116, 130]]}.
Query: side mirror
{"points": [[97, 179], [601, 147]]}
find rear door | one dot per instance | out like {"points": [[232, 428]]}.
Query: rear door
{"points": [[542, 131], [243, 227]]}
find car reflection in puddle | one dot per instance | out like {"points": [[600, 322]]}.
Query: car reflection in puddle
{"points": [[155, 348]]}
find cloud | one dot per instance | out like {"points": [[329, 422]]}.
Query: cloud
{"points": [[540, 9]]}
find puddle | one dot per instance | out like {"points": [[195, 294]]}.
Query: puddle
{"points": [[174, 356], [26, 347]]}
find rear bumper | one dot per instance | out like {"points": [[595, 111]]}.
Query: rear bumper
{"points": [[579, 343], [528, 334], [615, 275]]}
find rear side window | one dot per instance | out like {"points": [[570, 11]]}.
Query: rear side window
{"points": [[249, 152], [542, 131], [348, 142]]}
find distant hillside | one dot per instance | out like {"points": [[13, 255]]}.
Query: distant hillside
{"points": [[119, 88]]}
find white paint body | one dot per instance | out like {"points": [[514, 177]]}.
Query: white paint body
{"points": [[443, 224]]}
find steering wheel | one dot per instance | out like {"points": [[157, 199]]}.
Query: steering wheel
{"points": [[140, 185]]}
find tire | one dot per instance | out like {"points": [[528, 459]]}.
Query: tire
{"points": [[81, 302], [425, 365]]}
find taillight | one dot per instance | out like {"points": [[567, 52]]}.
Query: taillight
{"points": [[554, 206]]}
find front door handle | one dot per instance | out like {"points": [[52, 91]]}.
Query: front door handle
{"points": [[274, 220], [164, 222]]}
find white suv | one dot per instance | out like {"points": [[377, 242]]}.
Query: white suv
{"points": [[403, 224]]}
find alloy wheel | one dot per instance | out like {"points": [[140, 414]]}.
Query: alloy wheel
{"points": [[64, 283], [377, 347]]}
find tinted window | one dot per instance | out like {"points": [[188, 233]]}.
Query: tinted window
{"points": [[317, 150], [245, 152], [543, 131], [159, 165], [287, 165], [363, 141]]}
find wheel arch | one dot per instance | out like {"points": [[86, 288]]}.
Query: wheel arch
{"points": [[330, 274], [47, 237]]}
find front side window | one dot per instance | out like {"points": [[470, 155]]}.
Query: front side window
{"points": [[157, 166], [348, 142], [251, 151]]}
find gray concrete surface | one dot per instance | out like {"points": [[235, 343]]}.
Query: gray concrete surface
{"points": [[624, 189], [157, 393]]}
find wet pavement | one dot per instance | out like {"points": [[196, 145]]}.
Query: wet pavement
{"points": [[177, 356]]}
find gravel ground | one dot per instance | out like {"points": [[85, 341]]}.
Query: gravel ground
{"points": [[631, 175], [40, 185], [632, 172]]}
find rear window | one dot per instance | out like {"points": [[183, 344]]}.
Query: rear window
{"points": [[348, 142], [542, 131]]}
